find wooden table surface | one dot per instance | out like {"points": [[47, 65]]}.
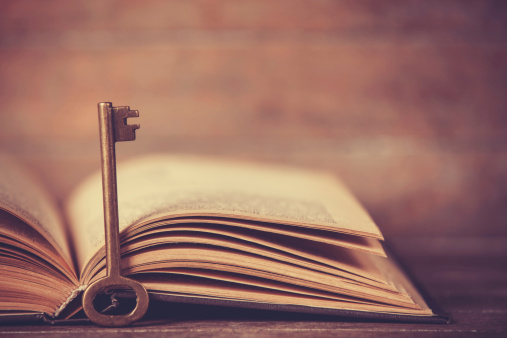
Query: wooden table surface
{"points": [[466, 276]]}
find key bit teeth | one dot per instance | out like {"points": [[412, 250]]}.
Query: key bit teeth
{"points": [[132, 113], [122, 130]]}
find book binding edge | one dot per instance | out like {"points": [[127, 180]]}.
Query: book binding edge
{"points": [[69, 299]]}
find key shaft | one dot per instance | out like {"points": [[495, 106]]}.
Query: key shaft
{"points": [[109, 186]]}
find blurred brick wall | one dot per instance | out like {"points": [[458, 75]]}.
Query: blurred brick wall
{"points": [[406, 100]]}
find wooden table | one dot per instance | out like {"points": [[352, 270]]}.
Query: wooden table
{"points": [[466, 276]]}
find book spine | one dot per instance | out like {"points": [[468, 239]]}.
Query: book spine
{"points": [[69, 299]]}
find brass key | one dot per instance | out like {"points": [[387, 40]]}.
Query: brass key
{"points": [[113, 128]]}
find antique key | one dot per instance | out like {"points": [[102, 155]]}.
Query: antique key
{"points": [[113, 128]]}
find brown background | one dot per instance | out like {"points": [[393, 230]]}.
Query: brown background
{"points": [[405, 100]]}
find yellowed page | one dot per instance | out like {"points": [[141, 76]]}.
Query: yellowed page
{"points": [[339, 262], [27, 284], [206, 288], [158, 187], [22, 196], [257, 282], [16, 233], [225, 260], [33, 275], [364, 244]]}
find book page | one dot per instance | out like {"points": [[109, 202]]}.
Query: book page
{"points": [[160, 187], [22, 196], [332, 261], [17, 233], [185, 286], [365, 244]]}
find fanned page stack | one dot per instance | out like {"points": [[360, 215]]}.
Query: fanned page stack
{"points": [[198, 230]]}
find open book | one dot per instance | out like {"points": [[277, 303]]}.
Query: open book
{"points": [[200, 230]]}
